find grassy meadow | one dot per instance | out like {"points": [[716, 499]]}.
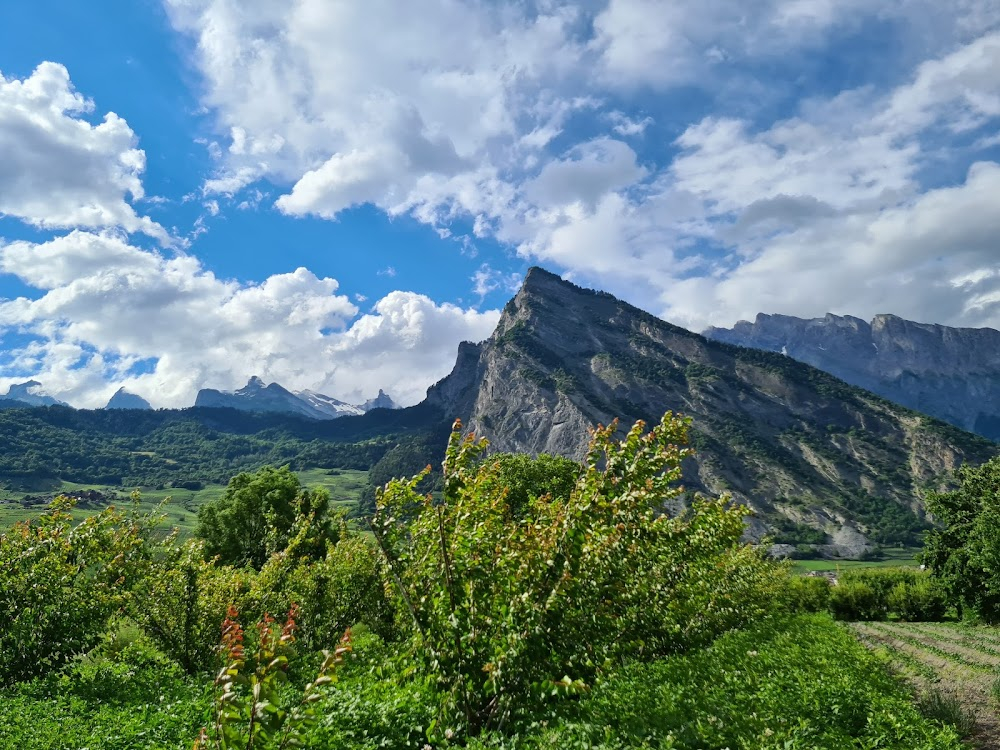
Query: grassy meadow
{"points": [[891, 557], [181, 506]]}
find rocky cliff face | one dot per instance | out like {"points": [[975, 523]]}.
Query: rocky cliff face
{"points": [[795, 444], [950, 373]]}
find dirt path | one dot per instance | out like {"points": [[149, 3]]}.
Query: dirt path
{"points": [[925, 670]]}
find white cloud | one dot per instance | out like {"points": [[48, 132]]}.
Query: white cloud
{"points": [[57, 170], [930, 259], [107, 305], [487, 279], [821, 211], [510, 118], [959, 90], [381, 102]]}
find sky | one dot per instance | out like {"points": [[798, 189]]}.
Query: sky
{"points": [[332, 194]]}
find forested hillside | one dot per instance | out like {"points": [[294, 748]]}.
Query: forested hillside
{"points": [[46, 445]]}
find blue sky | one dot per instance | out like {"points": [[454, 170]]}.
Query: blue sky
{"points": [[333, 195]]}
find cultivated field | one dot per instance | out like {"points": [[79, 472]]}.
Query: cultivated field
{"points": [[952, 668]]}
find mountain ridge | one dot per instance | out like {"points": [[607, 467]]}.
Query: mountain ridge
{"points": [[793, 443], [950, 373], [261, 397]]}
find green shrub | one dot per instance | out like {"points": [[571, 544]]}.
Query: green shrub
{"points": [[258, 515], [251, 709], [876, 593], [807, 594], [61, 582], [117, 697], [922, 601], [183, 601], [856, 600], [344, 588], [508, 610], [802, 683]]}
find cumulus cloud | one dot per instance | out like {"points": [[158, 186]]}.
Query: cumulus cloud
{"points": [[524, 123], [378, 102], [107, 306], [454, 110], [57, 169], [822, 211], [930, 259]]}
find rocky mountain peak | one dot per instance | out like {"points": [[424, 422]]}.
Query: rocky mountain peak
{"points": [[123, 399], [31, 393], [381, 401], [788, 440], [254, 384]]}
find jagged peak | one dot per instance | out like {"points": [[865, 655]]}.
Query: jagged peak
{"points": [[125, 399]]}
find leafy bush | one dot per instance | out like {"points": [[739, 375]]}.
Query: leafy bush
{"points": [[964, 550], [344, 588], [807, 594], [61, 583], [122, 695], [508, 610], [921, 601], [183, 601], [526, 477], [255, 517], [877, 593], [856, 600]]}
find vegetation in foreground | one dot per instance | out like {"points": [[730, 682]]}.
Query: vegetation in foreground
{"points": [[572, 616]]}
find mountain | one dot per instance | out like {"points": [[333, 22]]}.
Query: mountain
{"points": [[819, 461], [125, 400], [30, 393], [381, 401], [327, 406], [804, 450], [256, 396], [950, 373]]}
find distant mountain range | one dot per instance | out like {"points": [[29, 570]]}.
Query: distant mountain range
{"points": [[256, 396], [950, 373]]}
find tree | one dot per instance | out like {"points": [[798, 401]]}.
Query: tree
{"points": [[255, 516], [964, 552], [511, 609], [526, 478]]}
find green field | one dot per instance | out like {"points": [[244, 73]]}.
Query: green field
{"points": [[181, 505], [891, 558]]}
